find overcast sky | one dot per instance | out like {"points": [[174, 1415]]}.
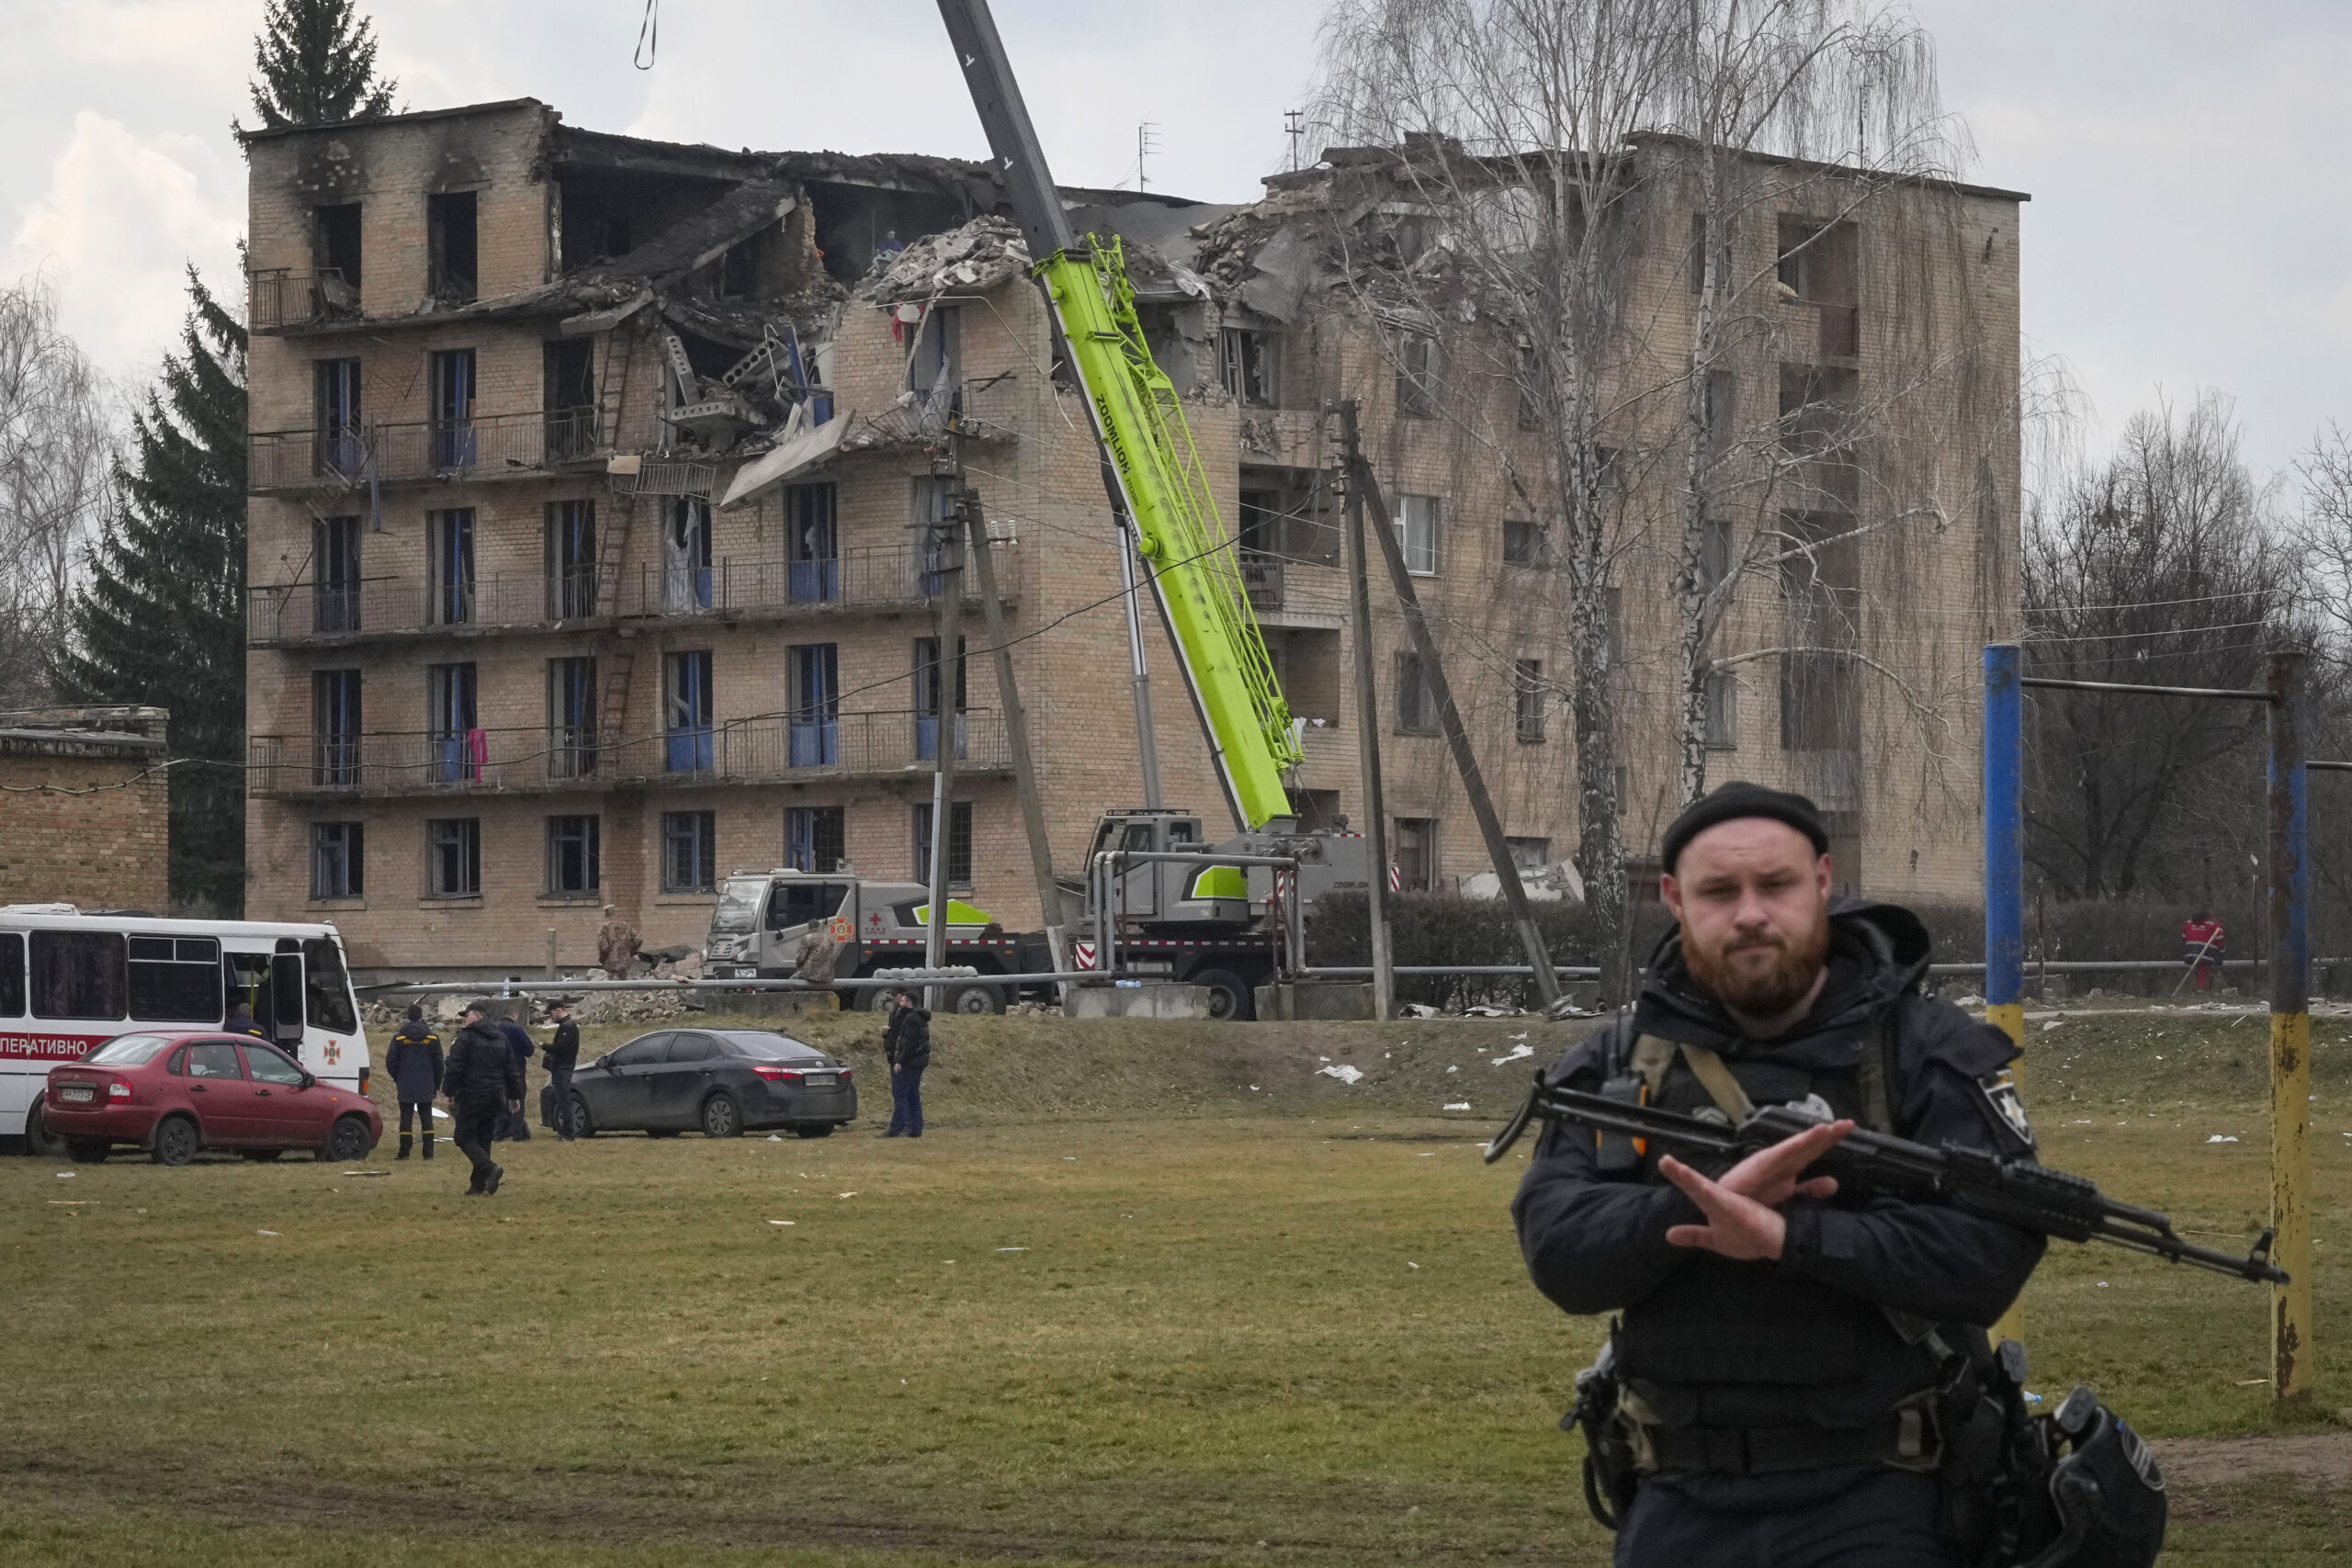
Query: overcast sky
{"points": [[2189, 227]]}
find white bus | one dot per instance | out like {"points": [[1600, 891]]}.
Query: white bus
{"points": [[71, 981]]}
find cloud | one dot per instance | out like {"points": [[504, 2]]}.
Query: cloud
{"points": [[120, 217]]}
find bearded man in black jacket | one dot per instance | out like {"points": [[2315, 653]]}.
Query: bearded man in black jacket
{"points": [[1780, 1344]]}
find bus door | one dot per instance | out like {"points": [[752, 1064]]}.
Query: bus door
{"points": [[270, 987]]}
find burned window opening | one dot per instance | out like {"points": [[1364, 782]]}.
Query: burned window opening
{"points": [[335, 253], [453, 276]]}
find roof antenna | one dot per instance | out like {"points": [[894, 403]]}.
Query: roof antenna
{"points": [[1294, 127], [1147, 143]]}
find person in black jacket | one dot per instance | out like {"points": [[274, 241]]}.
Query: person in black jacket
{"points": [[484, 1084], [906, 1042], [1779, 1349], [562, 1054], [414, 1064]]}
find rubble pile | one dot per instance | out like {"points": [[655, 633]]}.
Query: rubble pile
{"points": [[979, 255]]}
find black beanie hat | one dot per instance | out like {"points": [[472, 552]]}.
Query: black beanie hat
{"points": [[1733, 801]]}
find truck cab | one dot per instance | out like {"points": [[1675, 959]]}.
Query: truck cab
{"points": [[758, 923]]}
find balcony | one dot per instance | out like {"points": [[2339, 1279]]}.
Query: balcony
{"points": [[1261, 579], [756, 588], [770, 749], [279, 298], [1837, 334], [348, 459]]}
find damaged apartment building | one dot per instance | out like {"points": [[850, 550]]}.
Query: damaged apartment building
{"points": [[594, 535]]}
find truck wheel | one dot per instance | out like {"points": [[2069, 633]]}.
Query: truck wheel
{"points": [[870, 998], [970, 998], [1229, 1000]]}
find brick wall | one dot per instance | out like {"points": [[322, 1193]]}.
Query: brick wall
{"points": [[107, 848]]}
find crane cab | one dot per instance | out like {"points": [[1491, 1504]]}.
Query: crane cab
{"points": [[1163, 893]]}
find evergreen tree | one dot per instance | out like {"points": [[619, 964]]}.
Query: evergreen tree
{"points": [[160, 618], [318, 65]]}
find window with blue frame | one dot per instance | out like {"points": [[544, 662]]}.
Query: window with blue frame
{"points": [[816, 701], [449, 565], [685, 556], [572, 717], [811, 544], [685, 700], [335, 717], [927, 684], [959, 845], [689, 852], [456, 747], [816, 838], [453, 410]]}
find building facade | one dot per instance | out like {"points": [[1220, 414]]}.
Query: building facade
{"points": [[593, 539], [84, 809]]}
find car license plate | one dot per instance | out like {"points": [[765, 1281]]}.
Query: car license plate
{"points": [[821, 1080], [82, 1092]]}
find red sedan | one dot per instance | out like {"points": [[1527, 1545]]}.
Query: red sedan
{"points": [[174, 1094]]}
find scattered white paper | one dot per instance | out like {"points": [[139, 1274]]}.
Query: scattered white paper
{"points": [[265, 1232], [1457, 1105], [1413, 1266], [783, 1222], [1254, 1089], [2051, 1024], [1521, 1035], [1013, 1249], [775, 1137], [66, 1175], [1432, 1155], [1343, 1072], [2102, 1284], [1454, 1069], [1518, 1054], [845, 1194], [2221, 1138]]}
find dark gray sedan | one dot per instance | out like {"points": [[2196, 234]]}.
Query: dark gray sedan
{"points": [[721, 1080]]}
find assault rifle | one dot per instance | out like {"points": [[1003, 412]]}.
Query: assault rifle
{"points": [[2015, 1192]]}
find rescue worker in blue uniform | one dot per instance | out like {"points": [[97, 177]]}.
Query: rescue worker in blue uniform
{"points": [[1779, 1346]]}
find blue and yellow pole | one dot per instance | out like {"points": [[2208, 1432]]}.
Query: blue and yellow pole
{"points": [[2005, 871], [2290, 1034]]}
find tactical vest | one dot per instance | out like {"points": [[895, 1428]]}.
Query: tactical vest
{"points": [[1723, 1343]]}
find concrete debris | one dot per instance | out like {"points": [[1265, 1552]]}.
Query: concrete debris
{"points": [[969, 260]]}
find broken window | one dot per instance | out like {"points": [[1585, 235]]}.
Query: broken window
{"points": [[457, 749], [1249, 366], [928, 680], [685, 556], [575, 855], [937, 351], [1528, 854], [1820, 710], [449, 565], [811, 547], [1524, 544], [338, 860], [451, 276], [1819, 266], [453, 858], [1819, 410], [1416, 841], [335, 254], [568, 393], [686, 710], [340, 449], [816, 838], [689, 852], [334, 573], [1529, 384], [572, 717], [1418, 372], [1722, 712], [334, 720], [1821, 578], [1416, 526], [1528, 699], [1417, 705], [572, 559], [959, 845], [453, 409], [1715, 553]]}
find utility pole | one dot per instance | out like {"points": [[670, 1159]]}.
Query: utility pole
{"points": [[1016, 731], [1465, 760], [947, 538], [1375, 804]]}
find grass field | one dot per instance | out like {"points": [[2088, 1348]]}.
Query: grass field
{"points": [[1147, 1293]]}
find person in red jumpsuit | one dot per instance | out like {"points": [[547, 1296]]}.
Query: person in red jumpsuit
{"points": [[2203, 946]]}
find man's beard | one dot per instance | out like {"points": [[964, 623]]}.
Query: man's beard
{"points": [[1774, 991]]}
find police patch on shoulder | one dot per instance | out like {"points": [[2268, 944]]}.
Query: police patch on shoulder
{"points": [[2000, 1092]]}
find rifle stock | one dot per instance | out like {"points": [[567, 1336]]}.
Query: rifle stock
{"points": [[2015, 1192]]}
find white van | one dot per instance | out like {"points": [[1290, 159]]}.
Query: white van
{"points": [[71, 981]]}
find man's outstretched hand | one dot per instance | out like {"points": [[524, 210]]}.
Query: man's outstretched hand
{"points": [[1743, 1205]]}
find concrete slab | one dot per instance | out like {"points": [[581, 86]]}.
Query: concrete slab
{"points": [[1319, 1000], [1153, 999]]}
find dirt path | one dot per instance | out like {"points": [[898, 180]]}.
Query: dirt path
{"points": [[2323, 1460]]}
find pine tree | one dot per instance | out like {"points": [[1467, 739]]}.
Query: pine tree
{"points": [[160, 618], [318, 65]]}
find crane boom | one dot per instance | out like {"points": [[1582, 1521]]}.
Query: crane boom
{"points": [[1150, 467]]}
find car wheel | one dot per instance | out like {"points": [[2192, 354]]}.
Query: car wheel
{"points": [[39, 1142], [260, 1156], [975, 999], [176, 1141], [1229, 1000], [662, 1131], [89, 1151], [812, 1130], [348, 1141], [582, 1125], [721, 1117]]}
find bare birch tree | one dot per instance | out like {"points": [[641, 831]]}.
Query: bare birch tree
{"points": [[56, 465], [1542, 144]]}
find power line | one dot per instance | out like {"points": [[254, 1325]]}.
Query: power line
{"points": [[2145, 603]]}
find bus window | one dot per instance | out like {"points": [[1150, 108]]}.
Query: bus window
{"points": [[329, 994], [12, 974], [176, 979], [78, 974]]}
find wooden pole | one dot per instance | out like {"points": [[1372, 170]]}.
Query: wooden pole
{"points": [[2291, 1351], [1375, 804]]}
